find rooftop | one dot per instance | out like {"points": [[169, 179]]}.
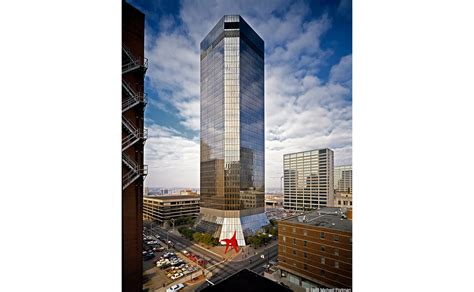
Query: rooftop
{"points": [[309, 152], [248, 281], [327, 217], [171, 197]]}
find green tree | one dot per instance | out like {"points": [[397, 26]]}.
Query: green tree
{"points": [[197, 236]]}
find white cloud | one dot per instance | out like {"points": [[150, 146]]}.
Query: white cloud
{"points": [[174, 74], [307, 114], [342, 72], [173, 160], [190, 109]]}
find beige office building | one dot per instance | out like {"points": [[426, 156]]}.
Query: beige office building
{"points": [[343, 200], [163, 208], [343, 179], [308, 179]]}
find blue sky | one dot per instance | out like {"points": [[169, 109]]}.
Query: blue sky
{"points": [[308, 81]]}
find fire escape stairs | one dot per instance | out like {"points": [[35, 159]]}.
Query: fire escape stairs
{"points": [[133, 98], [133, 63]]}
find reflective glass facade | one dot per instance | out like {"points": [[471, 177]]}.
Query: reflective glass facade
{"points": [[308, 179], [232, 121]]}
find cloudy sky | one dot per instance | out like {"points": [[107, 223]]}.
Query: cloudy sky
{"points": [[308, 81]]}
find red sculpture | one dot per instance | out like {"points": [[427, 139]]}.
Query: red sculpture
{"points": [[232, 242]]}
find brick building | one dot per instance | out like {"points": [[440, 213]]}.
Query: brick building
{"points": [[133, 139], [315, 249]]}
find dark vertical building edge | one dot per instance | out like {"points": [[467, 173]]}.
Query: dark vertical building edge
{"points": [[133, 138]]}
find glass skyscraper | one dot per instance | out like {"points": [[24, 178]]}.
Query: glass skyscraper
{"points": [[232, 130]]}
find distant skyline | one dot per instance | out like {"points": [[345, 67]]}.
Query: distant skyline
{"points": [[308, 81]]}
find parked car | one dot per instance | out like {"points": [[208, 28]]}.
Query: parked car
{"points": [[148, 256], [177, 276], [164, 266], [175, 288]]}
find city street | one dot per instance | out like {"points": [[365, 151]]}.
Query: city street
{"points": [[220, 269]]}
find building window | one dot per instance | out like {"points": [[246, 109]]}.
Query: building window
{"points": [[294, 230], [305, 267], [336, 252], [322, 248], [339, 202], [305, 243], [350, 203], [283, 228], [322, 235], [321, 272], [323, 260], [284, 238], [305, 255], [336, 237], [336, 265], [294, 252], [305, 233], [294, 241]]}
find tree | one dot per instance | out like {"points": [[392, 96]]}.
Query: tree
{"points": [[274, 231], [187, 232]]}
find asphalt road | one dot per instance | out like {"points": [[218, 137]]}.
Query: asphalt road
{"points": [[220, 270], [254, 263], [182, 243]]}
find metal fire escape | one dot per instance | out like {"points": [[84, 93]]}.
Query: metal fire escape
{"points": [[131, 99]]}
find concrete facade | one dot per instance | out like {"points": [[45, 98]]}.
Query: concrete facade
{"points": [[163, 208]]}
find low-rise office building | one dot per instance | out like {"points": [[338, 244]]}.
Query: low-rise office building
{"points": [[273, 201], [315, 249], [163, 208], [343, 200], [188, 192]]}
